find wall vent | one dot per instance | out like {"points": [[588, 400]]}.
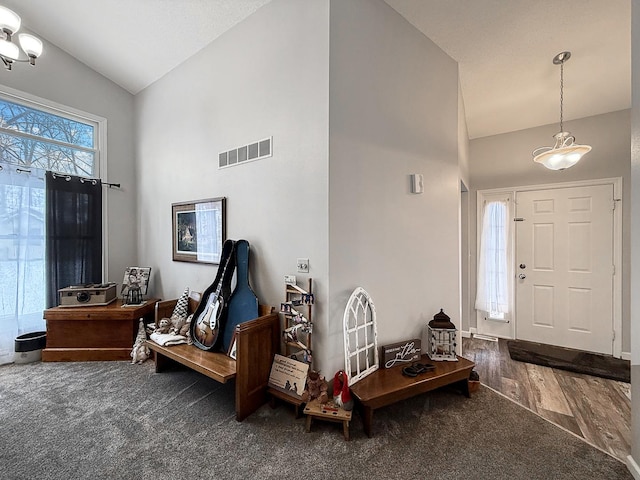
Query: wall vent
{"points": [[246, 153]]}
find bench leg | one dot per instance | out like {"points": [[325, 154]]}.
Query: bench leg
{"points": [[308, 423], [464, 388], [367, 419], [345, 429], [161, 361]]}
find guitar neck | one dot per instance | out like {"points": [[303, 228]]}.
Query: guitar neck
{"points": [[224, 271]]}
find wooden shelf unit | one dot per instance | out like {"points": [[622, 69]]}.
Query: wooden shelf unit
{"points": [[294, 297]]}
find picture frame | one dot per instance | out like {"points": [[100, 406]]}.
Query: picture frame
{"points": [[198, 230], [135, 278], [233, 347]]}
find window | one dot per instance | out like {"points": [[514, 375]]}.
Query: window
{"points": [[360, 336], [493, 272], [33, 138]]}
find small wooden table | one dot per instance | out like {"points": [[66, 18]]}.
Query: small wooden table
{"points": [[386, 386], [100, 332], [315, 409]]}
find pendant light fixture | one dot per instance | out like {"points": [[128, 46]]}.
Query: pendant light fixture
{"points": [[30, 46], [565, 153]]}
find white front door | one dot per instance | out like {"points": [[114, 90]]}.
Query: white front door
{"points": [[564, 267]]}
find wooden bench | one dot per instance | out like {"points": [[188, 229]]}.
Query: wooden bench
{"points": [[388, 385], [257, 341]]}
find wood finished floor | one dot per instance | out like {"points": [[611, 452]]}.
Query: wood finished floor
{"points": [[596, 409]]}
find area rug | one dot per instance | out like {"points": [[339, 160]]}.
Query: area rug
{"points": [[114, 420], [569, 359]]}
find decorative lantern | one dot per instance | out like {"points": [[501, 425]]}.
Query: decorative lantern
{"points": [[441, 338]]}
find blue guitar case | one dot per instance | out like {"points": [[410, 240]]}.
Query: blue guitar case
{"points": [[243, 304]]}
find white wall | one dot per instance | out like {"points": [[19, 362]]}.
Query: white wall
{"points": [[393, 112], [268, 76], [466, 303], [635, 237], [60, 78], [505, 161]]}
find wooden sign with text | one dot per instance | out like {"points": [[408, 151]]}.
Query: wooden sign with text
{"points": [[288, 375], [401, 353]]}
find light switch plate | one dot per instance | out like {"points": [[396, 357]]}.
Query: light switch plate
{"points": [[303, 265]]}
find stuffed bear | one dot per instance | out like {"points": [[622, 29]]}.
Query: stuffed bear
{"points": [[184, 330], [163, 326], [316, 387], [176, 325]]}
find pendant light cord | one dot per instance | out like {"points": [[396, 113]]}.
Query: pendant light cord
{"points": [[561, 94]]}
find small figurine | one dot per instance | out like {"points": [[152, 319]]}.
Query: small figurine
{"points": [[316, 387], [341, 393], [140, 351], [185, 330], [177, 323], [163, 326]]}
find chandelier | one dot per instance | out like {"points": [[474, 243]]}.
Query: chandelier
{"points": [[565, 153], [9, 51]]}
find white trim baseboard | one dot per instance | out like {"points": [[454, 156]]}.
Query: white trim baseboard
{"points": [[625, 355], [633, 467]]}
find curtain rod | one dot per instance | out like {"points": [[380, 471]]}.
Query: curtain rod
{"points": [[68, 177]]}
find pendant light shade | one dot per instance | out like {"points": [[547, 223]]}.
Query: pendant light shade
{"points": [[9, 50], [565, 152], [9, 20], [31, 45]]}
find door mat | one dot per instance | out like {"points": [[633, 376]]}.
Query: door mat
{"points": [[577, 361]]}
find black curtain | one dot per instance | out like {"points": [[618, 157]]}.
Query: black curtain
{"points": [[73, 233]]}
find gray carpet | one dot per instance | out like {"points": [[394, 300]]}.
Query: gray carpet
{"points": [[113, 420]]}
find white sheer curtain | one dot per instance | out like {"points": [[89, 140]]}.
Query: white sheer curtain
{"points": [[493, 283], [22, 292]]}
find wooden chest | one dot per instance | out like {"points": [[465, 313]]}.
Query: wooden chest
{"points": [[93, 333]]}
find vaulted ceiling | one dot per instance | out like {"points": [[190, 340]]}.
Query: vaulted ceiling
{"points": [[504, 47]]}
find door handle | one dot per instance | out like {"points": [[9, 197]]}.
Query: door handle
{"points": [[522, 276]]}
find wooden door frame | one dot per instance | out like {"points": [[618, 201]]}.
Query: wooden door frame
{"points": [[616, 182]]}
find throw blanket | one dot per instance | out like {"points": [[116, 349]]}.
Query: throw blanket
{"points": [[168, 339]]}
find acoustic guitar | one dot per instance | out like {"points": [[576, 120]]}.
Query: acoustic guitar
{"points": [[210, 314], [243, 304]]}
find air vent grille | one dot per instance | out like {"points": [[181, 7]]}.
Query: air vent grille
{"points": [[246, 153]]}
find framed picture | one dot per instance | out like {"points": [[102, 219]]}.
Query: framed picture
{"points": [[233, 346], [199, 230], [135, 278]]}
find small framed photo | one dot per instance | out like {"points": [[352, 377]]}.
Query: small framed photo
{"points": [[285, 307], [233, 346], [199, 230], [135, 278]]}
